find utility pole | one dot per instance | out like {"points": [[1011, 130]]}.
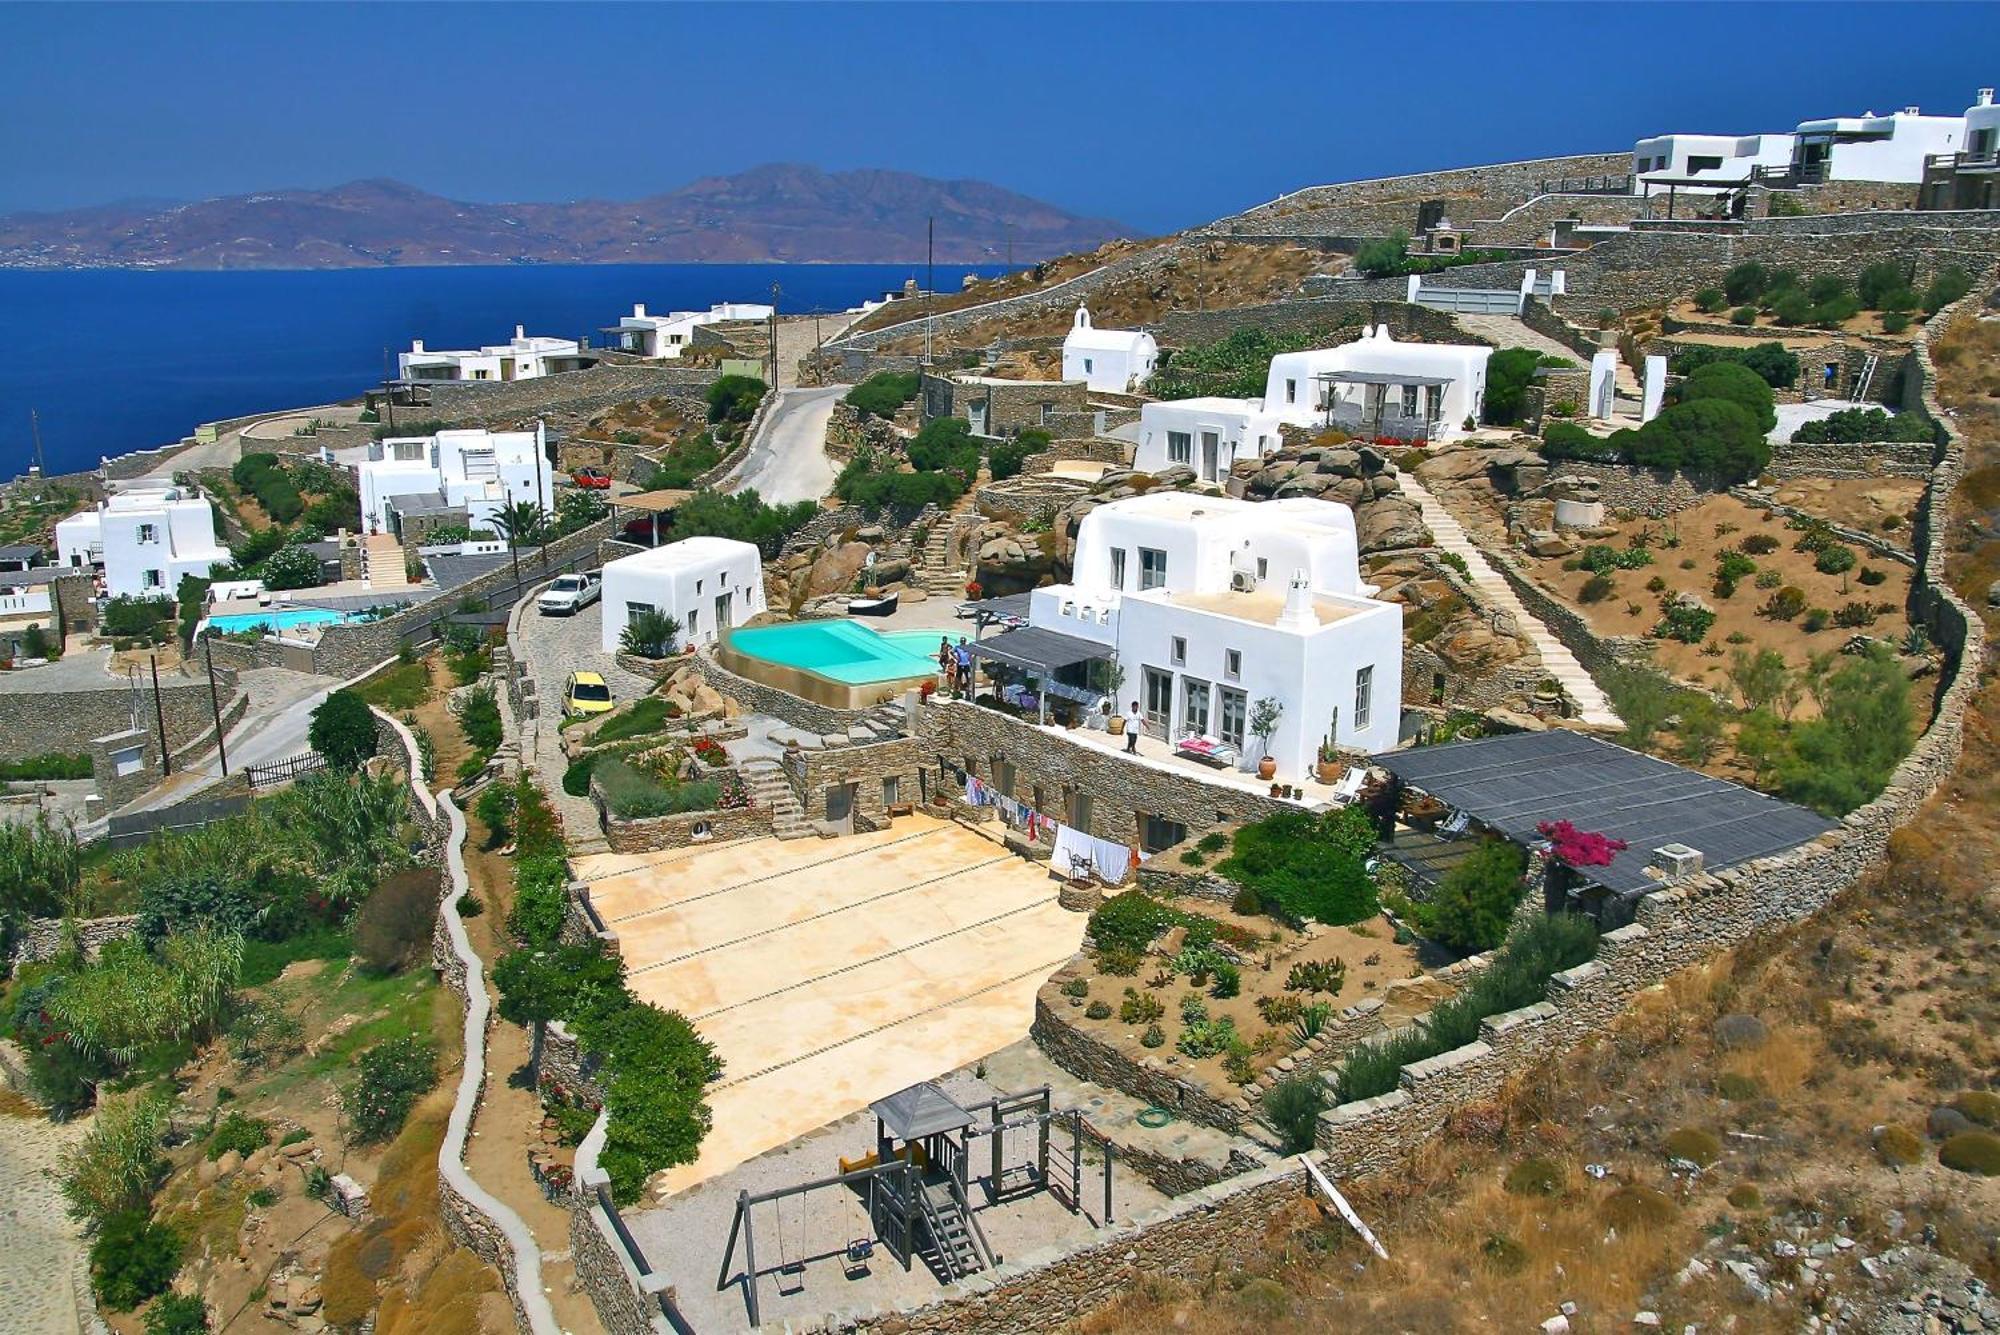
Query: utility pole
{"points": [[160, 718], [930, 281], [35, 426], [215, 702], [776, 292]]}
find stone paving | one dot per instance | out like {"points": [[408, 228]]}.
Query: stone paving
{"points": [[43, 1261], [551, 648], [1592, 706]]}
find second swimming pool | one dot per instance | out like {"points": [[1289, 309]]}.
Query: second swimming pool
{"points": [[845, 651], [280, 621]]}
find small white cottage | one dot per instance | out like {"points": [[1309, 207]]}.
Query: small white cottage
{"points": [[1109, 361], [709, 585]]}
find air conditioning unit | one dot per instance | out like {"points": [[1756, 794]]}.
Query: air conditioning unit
{"points": [[1676, 860], [1242, 581]]}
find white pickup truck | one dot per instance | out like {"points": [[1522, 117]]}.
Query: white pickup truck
{"points": [[570, 594]]}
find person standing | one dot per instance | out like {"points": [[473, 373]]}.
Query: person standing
{"points": [[1132, 730], [963, 656]]}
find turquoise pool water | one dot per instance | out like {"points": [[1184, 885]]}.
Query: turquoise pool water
{"points": [[846, 651], [290, 618]]}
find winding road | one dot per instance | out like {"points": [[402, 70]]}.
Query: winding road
{"points": [[787, 461]]}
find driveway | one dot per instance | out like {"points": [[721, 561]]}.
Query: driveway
{"points": [[787, 461], [832, 973], [273, 727], [551, 648]]}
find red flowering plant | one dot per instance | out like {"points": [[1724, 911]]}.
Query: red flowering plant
{"points": [[973, 589], [709, 751], [1579, 848]]}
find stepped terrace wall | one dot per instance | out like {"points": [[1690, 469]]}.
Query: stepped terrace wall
{"points": [[1378, 206]]}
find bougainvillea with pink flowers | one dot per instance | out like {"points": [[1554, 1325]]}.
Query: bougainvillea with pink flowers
{"points": [[1579, 848]]}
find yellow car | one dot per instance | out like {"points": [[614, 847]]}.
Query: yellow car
{"points": [[585, 694]]}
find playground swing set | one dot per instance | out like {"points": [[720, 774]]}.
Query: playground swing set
{"points": [[915, 1187]]}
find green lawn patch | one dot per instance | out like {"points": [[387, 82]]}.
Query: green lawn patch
{"points": [[403, 686]]}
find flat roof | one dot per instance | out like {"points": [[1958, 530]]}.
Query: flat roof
{"points": [[1512, 783], [1261, 606]]}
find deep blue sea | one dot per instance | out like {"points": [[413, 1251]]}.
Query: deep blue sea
{"points": [[118, 360]]}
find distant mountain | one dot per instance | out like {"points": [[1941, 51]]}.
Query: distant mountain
{"points": [[781, 212]]}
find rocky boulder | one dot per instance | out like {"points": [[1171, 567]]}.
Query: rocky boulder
{"points": [[1388, 522]]}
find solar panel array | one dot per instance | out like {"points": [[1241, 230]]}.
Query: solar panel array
{"points": [[1513, 783]]}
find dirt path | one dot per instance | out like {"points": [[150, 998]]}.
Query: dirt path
{"points": [[43, 1260]]}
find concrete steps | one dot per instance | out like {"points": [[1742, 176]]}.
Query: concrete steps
{"points": [[383, 564], [1557, 661]]}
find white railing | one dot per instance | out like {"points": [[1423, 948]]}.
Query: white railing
{"points": [[25, 604]]}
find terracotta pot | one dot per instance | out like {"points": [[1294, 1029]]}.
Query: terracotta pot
{"points": [[1267, 767], [1115, 725], [1275, 791], [1329, 771]]}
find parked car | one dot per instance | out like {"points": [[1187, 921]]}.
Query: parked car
{"points": [[585, 694], [594, 479], [570, 594]]}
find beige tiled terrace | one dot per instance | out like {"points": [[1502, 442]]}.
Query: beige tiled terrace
{"points": [[829, 973]]}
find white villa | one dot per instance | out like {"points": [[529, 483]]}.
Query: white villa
{"points": [[1210, 604], [668, 335], [709, 585], [1374, 386], [1114, 361], [455, 477], [1873, 148], [1725, 159], [145, 539], [519, 358]]}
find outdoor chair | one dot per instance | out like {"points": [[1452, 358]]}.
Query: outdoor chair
{"points": [[1348, 786], [1454, 825]]}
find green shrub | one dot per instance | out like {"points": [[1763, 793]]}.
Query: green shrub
{"points": [[1567, 440], [1871, 576], [633, 794], [132, 1259], [1834, 560], [1228, 982], [1076, 987], [1475, 900], [495, 810], [1685, 622], [576, 776], [1097, 1010], [1311, 867], [1247, 902], [246, 1135], [1865, 426], [1309, 976], [1816, 620], [1738, 1088], [177, 1314], [1280, 1008], [1898, 1146], [1710, 300], [650, 634], [1773, 363], [479, 718], [1206, 1038], [1979, 1106], [114, 1169], [1533, 1177], [1975, 1152], [1895, 322], [1140, 1007], [1129, 921], [1293, 1106], [390, 1078], [1596, 589], [1698, 1147], [1503, 1253], [884, 393], [1634, 1207], [1951, 283], [1785, 604], [1743, 315], [1745, 282], [1744, 1196], [1758, 544], [394, 925], [734, 398], [1154, 1037]]}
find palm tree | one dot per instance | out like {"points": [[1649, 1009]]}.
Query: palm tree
{"points": [[518, 522]]}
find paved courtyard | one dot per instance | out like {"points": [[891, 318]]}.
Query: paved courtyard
{"points": [[831, 973]]}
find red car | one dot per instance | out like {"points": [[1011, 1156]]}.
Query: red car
{"points": [[591, 479]]}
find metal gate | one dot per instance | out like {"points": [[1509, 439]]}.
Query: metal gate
{"points": [[1471, 300]]}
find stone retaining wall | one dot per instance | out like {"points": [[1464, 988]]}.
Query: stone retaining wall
{"points": [[1790, 459], [571, 394], [1653, 492], [680, 829], [1873, 542], [758, 698], [1310, 315], [866, 766], [1376, 207], [45, 938], [1086, 1058], [40, 723]]}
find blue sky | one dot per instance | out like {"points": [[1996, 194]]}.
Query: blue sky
{"points": [[1158, 115]]}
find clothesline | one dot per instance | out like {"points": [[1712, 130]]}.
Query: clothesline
{"points": [[1075, 853]]}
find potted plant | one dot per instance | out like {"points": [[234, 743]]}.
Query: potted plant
{"points": [[1330, 767], [1111, 679], [1264, 716], [973, 589]]}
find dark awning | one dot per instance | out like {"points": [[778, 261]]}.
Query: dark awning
{"points": [[1511, 784], [919, 1111], [1014, 607], [1035, 650]]}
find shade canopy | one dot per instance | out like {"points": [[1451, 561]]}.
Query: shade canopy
{"points": [[653, 502], [1033, 649], [1382, 378], [1511, 784], [919, 1111]]}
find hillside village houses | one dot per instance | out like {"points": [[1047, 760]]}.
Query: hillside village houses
{"points": [[709, 585], [1868, 147], [410, 485], [1374, 386], [666, 336], [1114, 361], [1724, 159], [520, 358], [1210, 604], [145, 538]]}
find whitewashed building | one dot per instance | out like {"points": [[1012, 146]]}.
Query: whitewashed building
{"points": [[1725, 159], [667, 336], [1112, 361], [1205, 434], [460, 477], [707, 584], [145, 539], [1869, 147], [1377, 386], [1210, 604], [521, 357]]}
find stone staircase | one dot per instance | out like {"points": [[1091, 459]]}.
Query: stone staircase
{"points": [[383, 564], [772, 791], [1592, 706], [937, 574]]}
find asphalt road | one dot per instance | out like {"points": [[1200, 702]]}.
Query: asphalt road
{"points": [[788, 461]]}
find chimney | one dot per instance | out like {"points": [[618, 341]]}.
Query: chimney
{"points": [[1911, 111], [1673, 861], [1985, 98], [416, 345], [1298, 613], [520, 331], [639, 310]]}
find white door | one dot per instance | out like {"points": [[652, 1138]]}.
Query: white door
{"points": [[1211, 445]]}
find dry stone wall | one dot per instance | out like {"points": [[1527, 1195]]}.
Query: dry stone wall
{"points": [[1087, 1058], [39, 723], [569, 397], [1377, 207], [867, 767], [1884, 459]]}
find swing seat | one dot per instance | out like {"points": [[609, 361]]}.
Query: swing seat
{"points": [[792, 1277], [859, 1251]]}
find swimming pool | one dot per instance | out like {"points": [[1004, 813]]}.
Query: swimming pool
{"points": [[845, 651], [278, 619]]}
